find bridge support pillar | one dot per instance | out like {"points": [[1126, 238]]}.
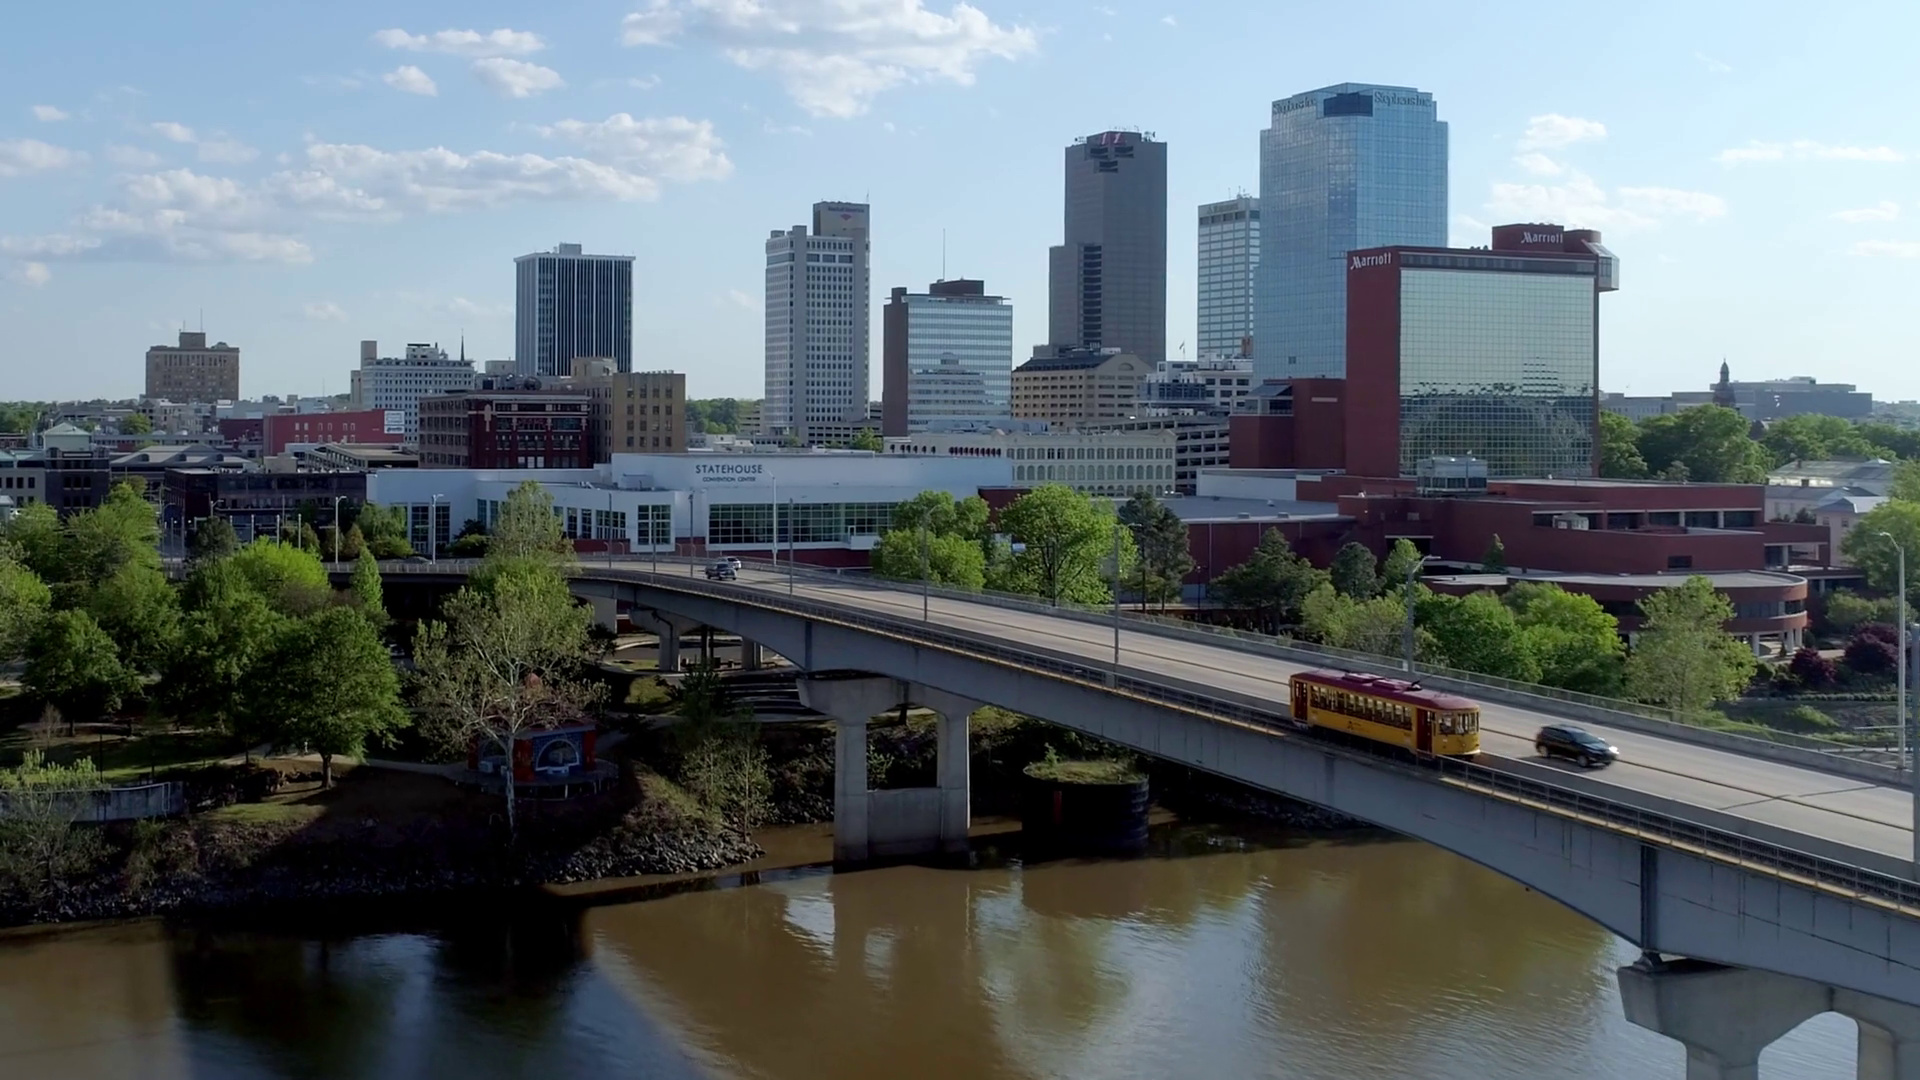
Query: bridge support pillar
{"points": [[750, 656], [898, 821], [1723, 1016], [667, 629], [1889, 1035], [606, 612]]}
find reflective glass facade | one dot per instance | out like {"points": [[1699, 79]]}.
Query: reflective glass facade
{"points": [[1229, 235], [960, 359], [1341, 168], [1107, 282], [752, 524], [1499, 365]]}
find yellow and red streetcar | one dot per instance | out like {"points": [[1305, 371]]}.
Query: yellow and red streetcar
{"points": [[1391, 711]]}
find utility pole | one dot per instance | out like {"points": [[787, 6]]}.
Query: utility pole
{"points": [[337, 499], [925, 586], [1406, 636], [1116, 602], [1900, 759]]}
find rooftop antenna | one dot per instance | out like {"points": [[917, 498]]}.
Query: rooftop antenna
{"points": [[203, 320], [943, 254]]}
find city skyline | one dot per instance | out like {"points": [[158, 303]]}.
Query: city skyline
{"points": [[333, 199]]}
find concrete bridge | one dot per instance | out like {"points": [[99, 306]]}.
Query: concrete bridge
{"points": [[1763, 884]]}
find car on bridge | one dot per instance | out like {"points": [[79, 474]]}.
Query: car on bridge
{"points": [[1575, 744], [723, 570]]}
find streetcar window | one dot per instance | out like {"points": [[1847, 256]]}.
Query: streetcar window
{"points": [[1446, 723], [1473, 721]]}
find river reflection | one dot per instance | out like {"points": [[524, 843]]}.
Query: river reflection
{"points": [[1329, 960]]}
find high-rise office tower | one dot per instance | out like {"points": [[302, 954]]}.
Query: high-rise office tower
{"points": [[1341, 168], [1107, 282], [568, 304], [946, 357], [1229, 253], [817, 340]]}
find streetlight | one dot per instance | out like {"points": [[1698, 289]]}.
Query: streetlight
{"points": [[1900, 759], [925, 590], [1116, 599], [1406, 636], [433, 528], [793, 539], [1902, 723], [337, 500]]}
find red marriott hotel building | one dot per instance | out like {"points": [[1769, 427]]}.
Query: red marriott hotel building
{"points": [[1491, 353]]}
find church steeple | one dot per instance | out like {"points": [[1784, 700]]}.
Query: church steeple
{"points": [[1723, 390]]}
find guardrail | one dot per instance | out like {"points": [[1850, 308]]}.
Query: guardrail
{"points": [[1771, 858]]}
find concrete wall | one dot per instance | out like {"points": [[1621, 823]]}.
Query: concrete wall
{"points": [[1661, 895]]}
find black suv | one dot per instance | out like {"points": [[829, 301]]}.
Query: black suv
{"points": [[1562, 740], [722, 571]]}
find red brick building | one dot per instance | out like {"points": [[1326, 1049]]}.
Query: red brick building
{"points": [[365, 427], [507, 429]]}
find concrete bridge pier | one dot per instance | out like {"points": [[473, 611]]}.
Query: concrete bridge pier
{"points": [[752, 657], [1723, 1016], [1889, 1035], [900, 821], [666, 628]]}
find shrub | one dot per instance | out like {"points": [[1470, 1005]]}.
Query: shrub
{"points": [[1873, 649], [1811, 670], [1807, 720]]}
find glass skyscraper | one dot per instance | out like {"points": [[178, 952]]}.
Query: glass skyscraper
{"points": [[568, 304], [1229, 235], [1107, 282], [1341, 168]]}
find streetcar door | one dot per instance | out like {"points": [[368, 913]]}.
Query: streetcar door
{"points": [[1423, 731], [1300, 701]]}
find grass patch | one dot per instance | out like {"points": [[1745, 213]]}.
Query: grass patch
{"points": [[119, 758], [267, 813], [1105, 771], [649, 694]]}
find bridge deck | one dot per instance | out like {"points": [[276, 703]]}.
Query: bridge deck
{"points": [[1840, 810]]}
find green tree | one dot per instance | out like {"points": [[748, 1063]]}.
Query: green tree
{"points": [[1706, 444], [1353, 572], [943, 515], [1160, 538], [1494, 561], [72, 665], [1376, 625], [227, 628], [528, 528], [140, 611], [1812, 437], [212, 538], [1906, 482], [726, 767], [124, 529], [867, 439], [508, 657], [327, 685], [1271, 584], [1479, 633], [24, 600], [42, 840], [1066, 543], [950, 559], [293, 580], [1402, 562], [1575, 641], [1877, 556], [383, 530], [136, 424], [1682, 659], [1620, 448], [1843, 610], [367, 592], [34, 533], [1891, 441]]}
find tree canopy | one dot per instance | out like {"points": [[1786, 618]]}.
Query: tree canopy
{"points": [[1812, 437], [1620, 448], [950, 559], [1706, 444], [293, 580], [72, 665], [527, 527], [1374, 625], [1066, 541], [1353, 572], [1272, 584], [383, 530], [139, 609], [227, 627], [1682, 658], [1575, 642], [1877, 556], [325, 683], [24, 600], [1160, 539]]}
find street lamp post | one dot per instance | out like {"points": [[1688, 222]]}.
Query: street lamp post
{"points": [[433, 529], [1406, 635], [1116, 601], [337, 500], [1900, 758], [925, 589], [793, 539]]}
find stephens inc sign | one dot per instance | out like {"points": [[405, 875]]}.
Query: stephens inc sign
{"points": [[730, 472]]}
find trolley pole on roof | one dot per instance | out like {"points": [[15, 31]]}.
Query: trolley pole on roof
{"points": [[1406, 635]]}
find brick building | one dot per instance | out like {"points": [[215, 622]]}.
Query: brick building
{"points": [[1070, 386], [507, 429], [194, 370], [363, 427]]}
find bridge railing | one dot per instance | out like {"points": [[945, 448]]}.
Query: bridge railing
{"points": [[1591, 707], [1271, 718]]}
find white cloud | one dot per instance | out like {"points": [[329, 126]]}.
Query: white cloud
{"points": [[1552, 131], [1714, 67], [217, 147], [410, 80], [48, 114], [1169, 20], [19, 157], [516, 78], [674, 146], [183, 215], [644, 82], [1806, 150], [1892, 249], [742, 300], [31, 274], [324, 311], [1885, 210], [1580, 202], [132, 157], [1539, 164], [464, 42], [460, 305], [835, 56], [772, 128]]}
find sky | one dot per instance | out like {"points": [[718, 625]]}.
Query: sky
{"points": [[297, 177]]}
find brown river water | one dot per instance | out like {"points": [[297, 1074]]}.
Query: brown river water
{"points": [[1220, 955]]}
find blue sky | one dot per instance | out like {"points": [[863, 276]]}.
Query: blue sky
{"points": [[310, 175]]}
